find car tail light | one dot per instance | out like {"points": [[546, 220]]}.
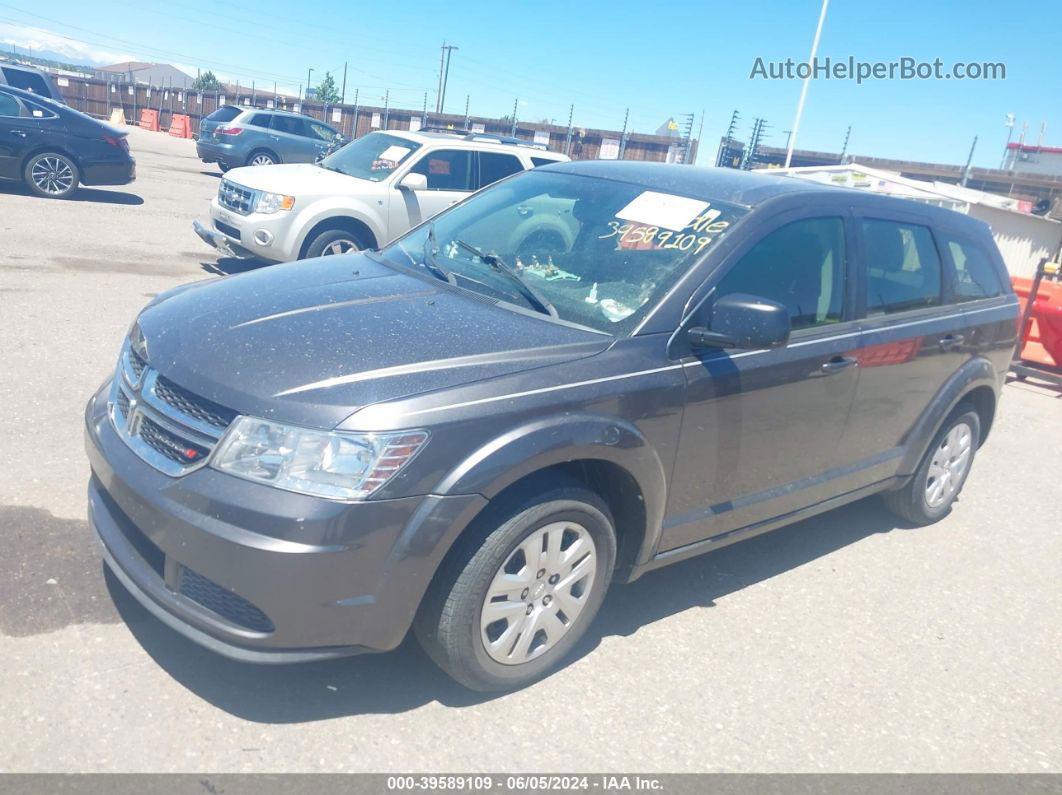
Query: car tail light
{"points": [[231, 130], [119, 141]]}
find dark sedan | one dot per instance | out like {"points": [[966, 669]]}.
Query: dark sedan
{"points": [[54, 149]]}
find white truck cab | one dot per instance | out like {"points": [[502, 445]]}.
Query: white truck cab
{"points": [[361, 196]]}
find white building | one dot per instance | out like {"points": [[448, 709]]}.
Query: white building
{"points": [[1023, 239]]}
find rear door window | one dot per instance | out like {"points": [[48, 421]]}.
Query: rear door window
{"points": [[975, 273], [9, 106], [446, 169], [494, 166], [903, 267]]}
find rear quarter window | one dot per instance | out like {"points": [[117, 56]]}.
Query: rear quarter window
{"points": [[494, 166], [542, 161], [259, 120], [975, 271]]}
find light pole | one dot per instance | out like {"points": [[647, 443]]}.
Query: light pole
{"points": [[804, 88], [308, 73], [444, 76]]}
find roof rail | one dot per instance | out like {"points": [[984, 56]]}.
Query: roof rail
{"points": [[485, 136]]}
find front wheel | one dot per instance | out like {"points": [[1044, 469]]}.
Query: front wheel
{"points": [[506, 609], [940, 476], [52, 175], [334, 241]]}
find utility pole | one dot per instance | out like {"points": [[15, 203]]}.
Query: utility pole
{"points": [[354, 124], [1009, 124], [446, 77], [568, 139], [844, 149], [623, 135], [969, 160], [308, 72], [343, 97], [515, 103], [804, 88], [726, 148]]}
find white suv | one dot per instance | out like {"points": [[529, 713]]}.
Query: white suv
{"points": [[362, 196]]}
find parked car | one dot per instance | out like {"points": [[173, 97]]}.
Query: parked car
{"points": [[362, 196], [29, 78], [305, 461], [232, 136], [53, 148]]}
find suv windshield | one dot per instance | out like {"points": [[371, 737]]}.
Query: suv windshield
{"points": [[601, 252], [372, 157]]}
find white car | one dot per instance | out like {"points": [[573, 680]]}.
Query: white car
{"points": [[361, 196]]}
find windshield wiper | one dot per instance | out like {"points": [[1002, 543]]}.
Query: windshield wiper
{"points": [[430, 262], [497, 263]]}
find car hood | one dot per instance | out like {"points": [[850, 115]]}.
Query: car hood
{"points": [[294, 179], [313, 341]]}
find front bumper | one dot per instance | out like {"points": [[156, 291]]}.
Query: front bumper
{"points": [[324, 578], [262, 235]]}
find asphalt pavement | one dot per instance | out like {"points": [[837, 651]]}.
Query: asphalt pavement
{"points": [[843, 643]]}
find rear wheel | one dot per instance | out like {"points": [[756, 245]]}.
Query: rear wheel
{"points": [[223, 167], [262, 158], [52, 175], [334, 241], [940, 477], [506, 609]]}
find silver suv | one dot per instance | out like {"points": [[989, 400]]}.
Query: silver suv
{"points": [[233, 136], [366, 194]]}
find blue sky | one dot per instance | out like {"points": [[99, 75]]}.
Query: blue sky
{"points": [[658, 59]]}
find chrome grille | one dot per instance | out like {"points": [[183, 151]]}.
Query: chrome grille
{"points": [[236, 197], [171, 428]]}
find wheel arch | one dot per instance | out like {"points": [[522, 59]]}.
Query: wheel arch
{"points": [[976, 382], [255, 150], [41, 149], [346, 223]]}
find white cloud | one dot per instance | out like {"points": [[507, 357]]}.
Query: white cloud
{"points": [[53, 44]]}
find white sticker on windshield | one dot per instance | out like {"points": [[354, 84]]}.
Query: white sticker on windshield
{"points": [[662, 209], [394, 153]]}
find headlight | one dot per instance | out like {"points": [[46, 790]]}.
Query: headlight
{"points": [[347, 466], [272, 202]]}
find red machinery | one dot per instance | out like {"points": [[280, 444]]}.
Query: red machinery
{"points": [[1040, 355]]}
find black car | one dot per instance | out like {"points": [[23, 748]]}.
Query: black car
{"points": [[54, 148], [582, 373], [29, 78]]}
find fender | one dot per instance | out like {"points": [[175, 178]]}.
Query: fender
{"points": [[550, 441], [976, 372], [326, 209]]}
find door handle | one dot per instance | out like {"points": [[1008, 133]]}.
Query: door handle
{"points": [[20, 133], [838, 363], [951, 342]]}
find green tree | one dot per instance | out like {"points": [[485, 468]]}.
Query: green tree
{"points": [[326, 91], [206, 82]]}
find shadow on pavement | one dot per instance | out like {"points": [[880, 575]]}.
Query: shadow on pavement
{"points": [[82, 194], [405, 678]]}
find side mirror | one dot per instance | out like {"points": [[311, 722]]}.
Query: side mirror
{"points": [[743, 321], [413, 182]]}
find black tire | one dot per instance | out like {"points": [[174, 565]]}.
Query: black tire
{"points": [[262, 157], [912, 502], [448, 624], [51, 175], [328, 242], [223, 167]]}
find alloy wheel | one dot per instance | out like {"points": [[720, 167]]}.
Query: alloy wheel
{"points": [[261, 160], [52, 175], [948, 465], [537, 594], [340, 246]]}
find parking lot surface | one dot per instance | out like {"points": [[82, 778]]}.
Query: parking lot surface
{"points": [[843, 643]]}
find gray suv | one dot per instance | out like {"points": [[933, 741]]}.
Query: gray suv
{"points": [[476, 429], [232, 136]]}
